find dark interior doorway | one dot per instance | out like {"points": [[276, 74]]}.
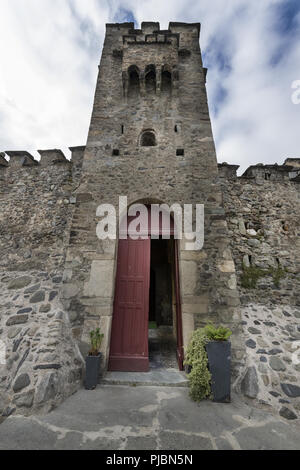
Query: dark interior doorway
{"points": [[162, 306]]}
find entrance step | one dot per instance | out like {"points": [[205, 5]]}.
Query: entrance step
{"points": [[161, 377]]}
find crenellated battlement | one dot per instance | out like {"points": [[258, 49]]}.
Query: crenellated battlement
{"points": [[149, 27], [22, 158], [178, 35], [289, 171]]}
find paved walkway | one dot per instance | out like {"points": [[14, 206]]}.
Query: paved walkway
{"points": [[152, 418]]}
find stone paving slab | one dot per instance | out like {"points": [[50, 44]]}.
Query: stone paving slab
{"points": [[148, 418]]}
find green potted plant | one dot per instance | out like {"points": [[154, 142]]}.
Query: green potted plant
{"points": [[208, 361], [93, 360], [218, 350]]}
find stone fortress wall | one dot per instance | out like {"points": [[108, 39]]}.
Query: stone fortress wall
{"points": [[44, 364], [263, 216], [57, 277]]}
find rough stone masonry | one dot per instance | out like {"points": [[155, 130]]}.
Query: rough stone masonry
{"points": [[150, 139]]}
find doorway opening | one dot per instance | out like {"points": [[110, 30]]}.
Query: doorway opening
{"points": [[162, 306], [146, 330]]}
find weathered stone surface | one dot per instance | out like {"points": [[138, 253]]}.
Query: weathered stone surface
{"points": [[277, 364], [227, 267], [287, 413], [47, 366], [46, 389], [24, 310], [273, 352], [17, 320], [254, 331], [52, 295], [291, 390], [19, 282], [253, 242], [13, 332], [21, 382], [25, 399], [32, 289], [251, 344], [45, 308], [39, 296], [249, 384]]}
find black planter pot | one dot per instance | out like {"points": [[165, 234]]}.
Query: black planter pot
{"points": [[92, 371], [219, 364]]}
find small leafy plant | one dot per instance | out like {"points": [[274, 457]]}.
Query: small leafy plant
{"points": [[217, 334], [252, 274], [96, 341]]}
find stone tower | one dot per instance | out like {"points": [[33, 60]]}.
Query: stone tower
{"points": [[150, 139]]}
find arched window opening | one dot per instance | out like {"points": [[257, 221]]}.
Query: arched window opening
{"points": [[148, 139], [150, 79], [134, 82], [166, 82]]}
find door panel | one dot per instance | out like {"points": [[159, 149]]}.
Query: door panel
{"points": [[129, 338], [180, 354]]}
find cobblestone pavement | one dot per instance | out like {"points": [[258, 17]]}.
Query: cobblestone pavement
{"points": [[150, 418]]}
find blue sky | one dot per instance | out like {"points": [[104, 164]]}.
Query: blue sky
{"points": [[50, 50]]}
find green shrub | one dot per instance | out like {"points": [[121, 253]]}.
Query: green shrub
{"points": [[96, 341], [196, 358]]}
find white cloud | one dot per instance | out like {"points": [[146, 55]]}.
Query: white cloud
{"points": [[50, 50]]}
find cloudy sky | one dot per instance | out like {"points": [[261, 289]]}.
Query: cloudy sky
{"points": [[50, 50]]}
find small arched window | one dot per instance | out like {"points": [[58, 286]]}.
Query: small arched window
{"points": [[148, 139], [134, 82], [150, 79], [166, 82]]}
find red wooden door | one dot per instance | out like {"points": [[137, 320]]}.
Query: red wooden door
{"points": [[129, 337]]}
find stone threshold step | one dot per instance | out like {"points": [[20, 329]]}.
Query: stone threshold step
{"points": [[161, 377]]}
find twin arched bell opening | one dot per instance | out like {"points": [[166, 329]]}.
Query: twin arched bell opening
{"points": [[150, 77]]}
